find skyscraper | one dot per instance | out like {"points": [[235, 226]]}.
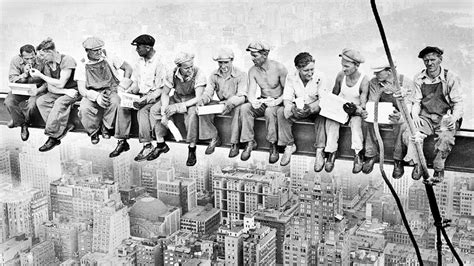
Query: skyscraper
{"points": [[5, 166], [201, 172], [122, 170], [179, 192], [111, 226], [259, 245]]}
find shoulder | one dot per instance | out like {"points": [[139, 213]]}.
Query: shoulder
{"points": [[279, 66], [238, 72], [339, 77], [68, 62], [16, 60]]}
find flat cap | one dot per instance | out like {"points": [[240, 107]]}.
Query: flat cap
{"points": [[381, 64], [430, 49], [223, 54], [183, 57], [352, 55], [93, 43], [144, 39], [258, 46]]}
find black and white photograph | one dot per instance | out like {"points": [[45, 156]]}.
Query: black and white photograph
{"points": [[236, 132]]}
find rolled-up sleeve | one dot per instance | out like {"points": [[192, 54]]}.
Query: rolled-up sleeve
{"points": [[242, 89], [417, 96], [455, 95], [289, 90], [15, 69], [200, 79], [168, 80], [210, 89]]}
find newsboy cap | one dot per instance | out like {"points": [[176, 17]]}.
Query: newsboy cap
{"points": [[381, 64], [258, 46], [352, 55], [144, 39], [93, 43], [223, 54], [430, 49], [183, 57]]}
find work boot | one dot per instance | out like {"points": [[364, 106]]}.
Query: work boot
{"points": [[289, 150], [234, 150], [369, 164], [251, 145], [330, 162], [438, 162], [319, 160], [274, 155], [358, 163], [398, 169], [50, 143], [438, 176], [95, 138], [105, 133], [159, 149], [25, 134], [122, 146], [191, 157], [215, 142], [147, 149], [417, 171]]}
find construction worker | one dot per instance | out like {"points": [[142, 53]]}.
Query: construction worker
{"points": [[301, 101], [437, 110], [188, 83], [270, 76], [383, 86], [352, 85], [148, 79], [55, 105], [97, 79], [230, 85], [19, 72]]}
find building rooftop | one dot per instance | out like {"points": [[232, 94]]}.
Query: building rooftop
{"points": [[200, 213], [149, 208]]}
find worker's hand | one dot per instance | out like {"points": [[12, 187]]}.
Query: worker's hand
{"points": [[103, 100], [26, 69], [449, 122], [140, 103], [228, 106], [35, 73], [256, 104], [288, 111], [274, 102], [394, 117], [164, 121], [364, 114], [416, 120]]}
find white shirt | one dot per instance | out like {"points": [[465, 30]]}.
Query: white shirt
{"points": [[294, 87], [149, 75]]}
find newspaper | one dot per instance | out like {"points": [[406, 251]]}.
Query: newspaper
{"points": [[210, 109], [331, 107], [23, 89], [175, 131], [127, 99], [385, 109]]}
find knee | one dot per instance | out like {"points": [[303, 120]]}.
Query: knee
{"points": [[156, 109], [246, 108], [10, 101], [40, 101], [271, 112], [192, 111], [280, 113]]}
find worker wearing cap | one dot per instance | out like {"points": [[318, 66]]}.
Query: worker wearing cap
{"points": [[437, 110], [270, 76], [97, 79], [55, 106], [19, 72], [352, 85], [383, 86], [230, 85], [188, 83], [147, 78], [301, 101]]}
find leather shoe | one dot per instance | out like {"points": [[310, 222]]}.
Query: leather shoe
{"points": [[147, 149], [438, 176], [319, 160], [289, 150], [25, 134], [191, 161], [155, 153], [398, 169], [251, 145], [95, 138], [215, 142], [122, 146], [330, 162], [417, 171], [369, 164], [10, 124], [234, 150], [50, 143], [274, 155], [105, 133], [358, 163]]}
